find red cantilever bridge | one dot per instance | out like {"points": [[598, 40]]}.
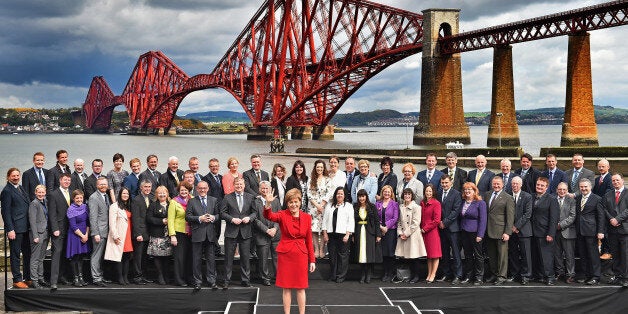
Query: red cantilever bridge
{"points": [[297, 61]]}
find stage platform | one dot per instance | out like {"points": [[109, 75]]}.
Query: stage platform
{"points": [[348, 297]]}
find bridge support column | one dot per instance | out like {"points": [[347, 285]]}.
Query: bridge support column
{"points": [[503, 129], [301, 133], [260, 133], [442, 115], [579, 127], [323, 133]]}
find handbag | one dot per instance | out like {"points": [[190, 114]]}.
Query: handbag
{"points": [[402, 274]]}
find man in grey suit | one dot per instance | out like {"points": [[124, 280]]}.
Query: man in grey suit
{"points": [[151, 174], [590, 227], [254, 176], [38, 221], [575, 174], [266, 233], [501, 216], [238, 211], [58, 203], [202, 214], [99, 203], [449, 228], [564, 257], [519, 244]]}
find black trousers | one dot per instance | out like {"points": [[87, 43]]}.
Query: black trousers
{"points": [[245, 257], [589, 257], [206, 249], [20, 245], [338, 256], [614, 247], [182, 259], [546, 257], [473, 256], [450, 246], [139, 253], [520, 256], [58, 262]]}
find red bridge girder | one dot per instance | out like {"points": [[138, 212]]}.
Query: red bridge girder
{"points": [[595, 17]]}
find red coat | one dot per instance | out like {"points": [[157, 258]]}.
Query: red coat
{"points": [[295, 250]]}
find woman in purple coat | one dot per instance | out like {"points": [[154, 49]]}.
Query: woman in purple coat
{"points": [[473, 224], [78, 236], [388, 211]]}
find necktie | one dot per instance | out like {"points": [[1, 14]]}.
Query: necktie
{"points": [[239, 198], [560, 201], [67, 196], [83, 176], [217, 180], [198, 178], [478, 175], [601, 179], [516, 197], [616, 197], [350, 179], [176, 177], [551, 178], [429, 176], [146, 201], [492, 198], [41, 177], [583, 202], [203, 203], [258, 176], [505, 179], [43, 204], [523, 173], [574, 179], [451, 174], [104, 196], [444, 195]]}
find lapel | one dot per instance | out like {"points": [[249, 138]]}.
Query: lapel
{"points": [[23, 196]]}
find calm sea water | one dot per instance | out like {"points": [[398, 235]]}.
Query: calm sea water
{"points": [[17, 150]]}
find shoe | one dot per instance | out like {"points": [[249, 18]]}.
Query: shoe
{"points": [[144, 280], [510, 279], [606, 256], [624, 284], [183, 284], [429, 281], [386, 278], [581, 280], [139, 281], [81, 281], [266, 283], [100, 283], [213, 286], [107, 281], [491, 279], [455, 282], [570, 280], [465, 281], [44, 283], [551, 281], [28, 282], [36, 285], [254, 255], [524, 281], [414, 279], [197, 287], [53, 287], [593, 282], [245, 284], [76, 282], [500, 281], [340, 280], [161, 281], [441, 279], [64, 281], [614, 281], [477, 283]]}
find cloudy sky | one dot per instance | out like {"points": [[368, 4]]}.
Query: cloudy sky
{"points": [[50, 50]]}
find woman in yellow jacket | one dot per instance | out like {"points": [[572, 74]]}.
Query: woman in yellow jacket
{"points": [[179, 232]]}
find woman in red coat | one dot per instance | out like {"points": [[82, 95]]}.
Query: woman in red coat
{"points": [[295, 250], [430, 218]]}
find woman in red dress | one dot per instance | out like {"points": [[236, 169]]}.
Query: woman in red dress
{"points": [[430, 218], [295, 250]]}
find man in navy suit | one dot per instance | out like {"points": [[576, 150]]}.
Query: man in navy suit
{"points": [[151, 174], [616, 214], [528, 174], [456, 174], [193, 165], [431, 175], [132, 181], [480, 175], [15, 204], [60, 168], [58, 202], [90, 183], [506, 175], [590, 225], [254, 176], [35, 176], [214, 179], [351, 172], [603, 181], [554, 174], [578, 172], [545, 214], [451, 202]]}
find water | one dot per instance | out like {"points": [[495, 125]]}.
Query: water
{"points": [[17, 150]]}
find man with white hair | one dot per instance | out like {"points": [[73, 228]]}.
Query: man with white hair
{"points": [[506, 174], [172, 176], [78, 176], [520, 243]]}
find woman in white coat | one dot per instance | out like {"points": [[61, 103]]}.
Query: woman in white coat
{"points": [[338, 226], [119, 246], [410, 244]]}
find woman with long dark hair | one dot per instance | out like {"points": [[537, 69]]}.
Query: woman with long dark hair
{"points": [[298, 180], [319, 193], [338, 225], [119, 246], [367, 245]]}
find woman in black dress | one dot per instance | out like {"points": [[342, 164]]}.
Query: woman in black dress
{"points": [[367, 236], [298, 180]]}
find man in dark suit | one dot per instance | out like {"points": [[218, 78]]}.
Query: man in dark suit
{"points": [[554, 174], [603, 181], [528, 174], [35, 176], [456, 174], [564, 255], [238, 211], [78, 176], [99, 203], [58, 202], [201, 214], [578, 172], [451, 202], [506, 175], [590, 225], [171, 178], [501, 216], [193, 165], [139, 208], [151, 174], [431, 175], [266, 233], [214, 179], [615, 204], [351, 172], [520, 244], [15, 202], [545, 214], [480, 175], [60, 168], [254, 176], [90, 183], [132, 181]]}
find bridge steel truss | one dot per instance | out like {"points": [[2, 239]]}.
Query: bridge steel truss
{"points": [[590, 18]]}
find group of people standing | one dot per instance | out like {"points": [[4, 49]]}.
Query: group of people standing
{"points": [[528, 224]]}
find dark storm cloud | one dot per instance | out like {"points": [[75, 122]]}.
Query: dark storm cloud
{"points": [[200, 4], [40, 8]]}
